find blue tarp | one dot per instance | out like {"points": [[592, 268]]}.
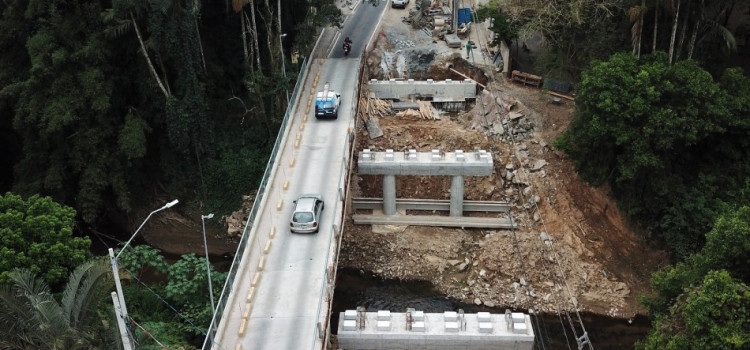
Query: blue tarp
{"points": [[464, 16]]}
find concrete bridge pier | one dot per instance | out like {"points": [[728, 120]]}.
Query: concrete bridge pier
{"points": [[389, 195], [457, 195]]}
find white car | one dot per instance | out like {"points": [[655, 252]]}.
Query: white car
{"points": [[306, 215], [399, 3]]}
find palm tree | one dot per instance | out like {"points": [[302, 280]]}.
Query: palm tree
{"points": [[32, 318], [711, 23], [636, 15]]}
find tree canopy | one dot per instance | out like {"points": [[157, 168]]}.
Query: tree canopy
{"points": [[37, 234], [703, 302], [712, 315], [668, 139], [113, 98]]}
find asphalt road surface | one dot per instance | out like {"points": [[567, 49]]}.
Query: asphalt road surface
{"points": [[291, 292]]}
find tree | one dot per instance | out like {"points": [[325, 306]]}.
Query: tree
{"points": [[32, 318], [727, 248], [37, 234], [703, 302], [63, 109], [637, 14], [712, 315], [187, 286], [185, 290], [505, 27], [650, 130]]}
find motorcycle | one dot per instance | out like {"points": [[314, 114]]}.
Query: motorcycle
{"points": [[347, 48]]}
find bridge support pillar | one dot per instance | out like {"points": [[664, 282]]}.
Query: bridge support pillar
{"points": [[389, 194], [457, 195]]}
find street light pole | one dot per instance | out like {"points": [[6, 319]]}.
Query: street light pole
{"points": [[208, 265], [116, 273]]}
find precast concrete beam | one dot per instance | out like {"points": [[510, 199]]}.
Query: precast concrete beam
{"points": [[456, 163], [457, 196], [440, 91]]}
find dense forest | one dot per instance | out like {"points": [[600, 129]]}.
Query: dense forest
{"points": [[105, 100], [108, 106]]}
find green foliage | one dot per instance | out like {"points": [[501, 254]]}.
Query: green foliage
{"points": [[32, 318], [504, 26], [667, 138], [167, 333], [712, 315], [185, 290], [238, 171], [139, 258], [727, 248], [37, 234], [63, 108]]}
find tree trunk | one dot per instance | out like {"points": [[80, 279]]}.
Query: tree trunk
{"points": [[683, 31], [163, 72], [200, 45], [267, 20], [243, 27], [674, 32], [656, 24], [278, 26], [148, 59], [640, 26], [255, 34], [694, 36]]}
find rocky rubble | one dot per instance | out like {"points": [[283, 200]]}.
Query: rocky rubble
{"points": [[569, 251]]}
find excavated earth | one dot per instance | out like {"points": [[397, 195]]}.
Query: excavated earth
{"points": [[572, 245]]}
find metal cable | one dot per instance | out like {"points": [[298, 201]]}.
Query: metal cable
{"points": [[557, 259], [516, 248]]}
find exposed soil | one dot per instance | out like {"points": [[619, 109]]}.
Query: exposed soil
{"points": [[592, 257]]}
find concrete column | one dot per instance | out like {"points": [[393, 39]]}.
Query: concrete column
{"points": [[389, 194], [457, 195]]}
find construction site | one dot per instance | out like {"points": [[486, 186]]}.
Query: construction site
{"points": [[569, 249], [564, 248]]}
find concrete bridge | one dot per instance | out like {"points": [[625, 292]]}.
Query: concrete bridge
{"points": [[280, 288]]}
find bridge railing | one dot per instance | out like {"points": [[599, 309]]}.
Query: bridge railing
{"points": [[247, 241]]}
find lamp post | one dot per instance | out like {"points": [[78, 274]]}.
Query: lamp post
{"points": [[208, 265], [113, 261]]}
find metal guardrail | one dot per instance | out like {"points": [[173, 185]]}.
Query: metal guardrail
{"points": [[226, 290]]}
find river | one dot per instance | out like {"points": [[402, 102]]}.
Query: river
{"points": [[358, 288]]}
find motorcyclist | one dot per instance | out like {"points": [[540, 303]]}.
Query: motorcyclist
{"points": [[347, 45]]}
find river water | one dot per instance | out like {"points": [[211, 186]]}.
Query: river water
{"points": [[358, 288]]}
